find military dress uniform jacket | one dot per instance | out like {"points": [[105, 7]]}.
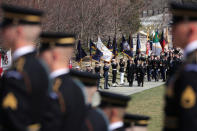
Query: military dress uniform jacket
{"points": [[97, 70], [24, 94], [95, 120], [181, 98], [69, 104], [122, 65]]}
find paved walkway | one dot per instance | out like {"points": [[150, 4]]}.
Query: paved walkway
{"points": [[135, 89]]}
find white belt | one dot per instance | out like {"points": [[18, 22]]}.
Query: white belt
{"points": [[114, 69]]}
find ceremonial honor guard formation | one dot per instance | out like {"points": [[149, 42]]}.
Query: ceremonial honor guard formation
{"points": [[40, 91]]}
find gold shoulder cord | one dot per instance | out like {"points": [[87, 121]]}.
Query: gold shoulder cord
{"points": [[56, 87]]}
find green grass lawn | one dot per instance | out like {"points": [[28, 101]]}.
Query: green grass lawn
{"points": [[149, 102]]}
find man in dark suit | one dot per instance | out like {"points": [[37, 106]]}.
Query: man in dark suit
{"points": [[130, 72], [69, 108], [114, 106], [25, 85], [181, 92]]}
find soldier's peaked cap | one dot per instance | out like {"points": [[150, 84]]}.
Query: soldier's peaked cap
{"points": [[87, 78], [15, 15], [50, 40], [109, 99], [137, 120], [183, 12]]}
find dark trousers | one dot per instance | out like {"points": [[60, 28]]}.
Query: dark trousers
{"points": [[98, 82], [140, 80], [130, 79], [149, 75], [106, 82], [163, 74], [155, 74], [114, 73]]}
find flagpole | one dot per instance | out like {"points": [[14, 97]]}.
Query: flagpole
{"points": [[80, 63], [91, 60]]}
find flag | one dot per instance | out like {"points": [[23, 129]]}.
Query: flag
{"points": [[138, 46], [156, 45], [97, 55], [80, 52], [121, 44], [92, 47], [107, 54], [125, 48], [148, 48], [115, 49], [131, 44], [109, 45], [162, 41]]}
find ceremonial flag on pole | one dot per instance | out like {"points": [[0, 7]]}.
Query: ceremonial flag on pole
{"points": [[92, 47], [156, 45], [97, 56], [107, 54], [80, 52], [147, 47], [121, 44], [109, 45], [138, 46], [115, 49], [131, 44], [162, 41], [148, 44]]}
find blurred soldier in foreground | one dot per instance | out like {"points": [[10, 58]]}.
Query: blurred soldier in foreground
{"points": [[24, 89], [67, 96], [95, 119], [181, 92], [135, 122], [114, 106], [114, 71]]}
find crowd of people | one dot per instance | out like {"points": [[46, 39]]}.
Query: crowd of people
{"points": [[139, 68], [40, 93]]}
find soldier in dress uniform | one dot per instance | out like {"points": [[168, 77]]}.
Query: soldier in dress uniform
{"points": [[67, 96], [148, 69], [114, 71], [97, 70], [121, 70], [155, 68], [114, 106], [89, 68], [106, 74], [130, 72], [181, 92], [134, 122], [163, 67], [24, 90], [77, 68], [140, 72], [95, 118]]}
